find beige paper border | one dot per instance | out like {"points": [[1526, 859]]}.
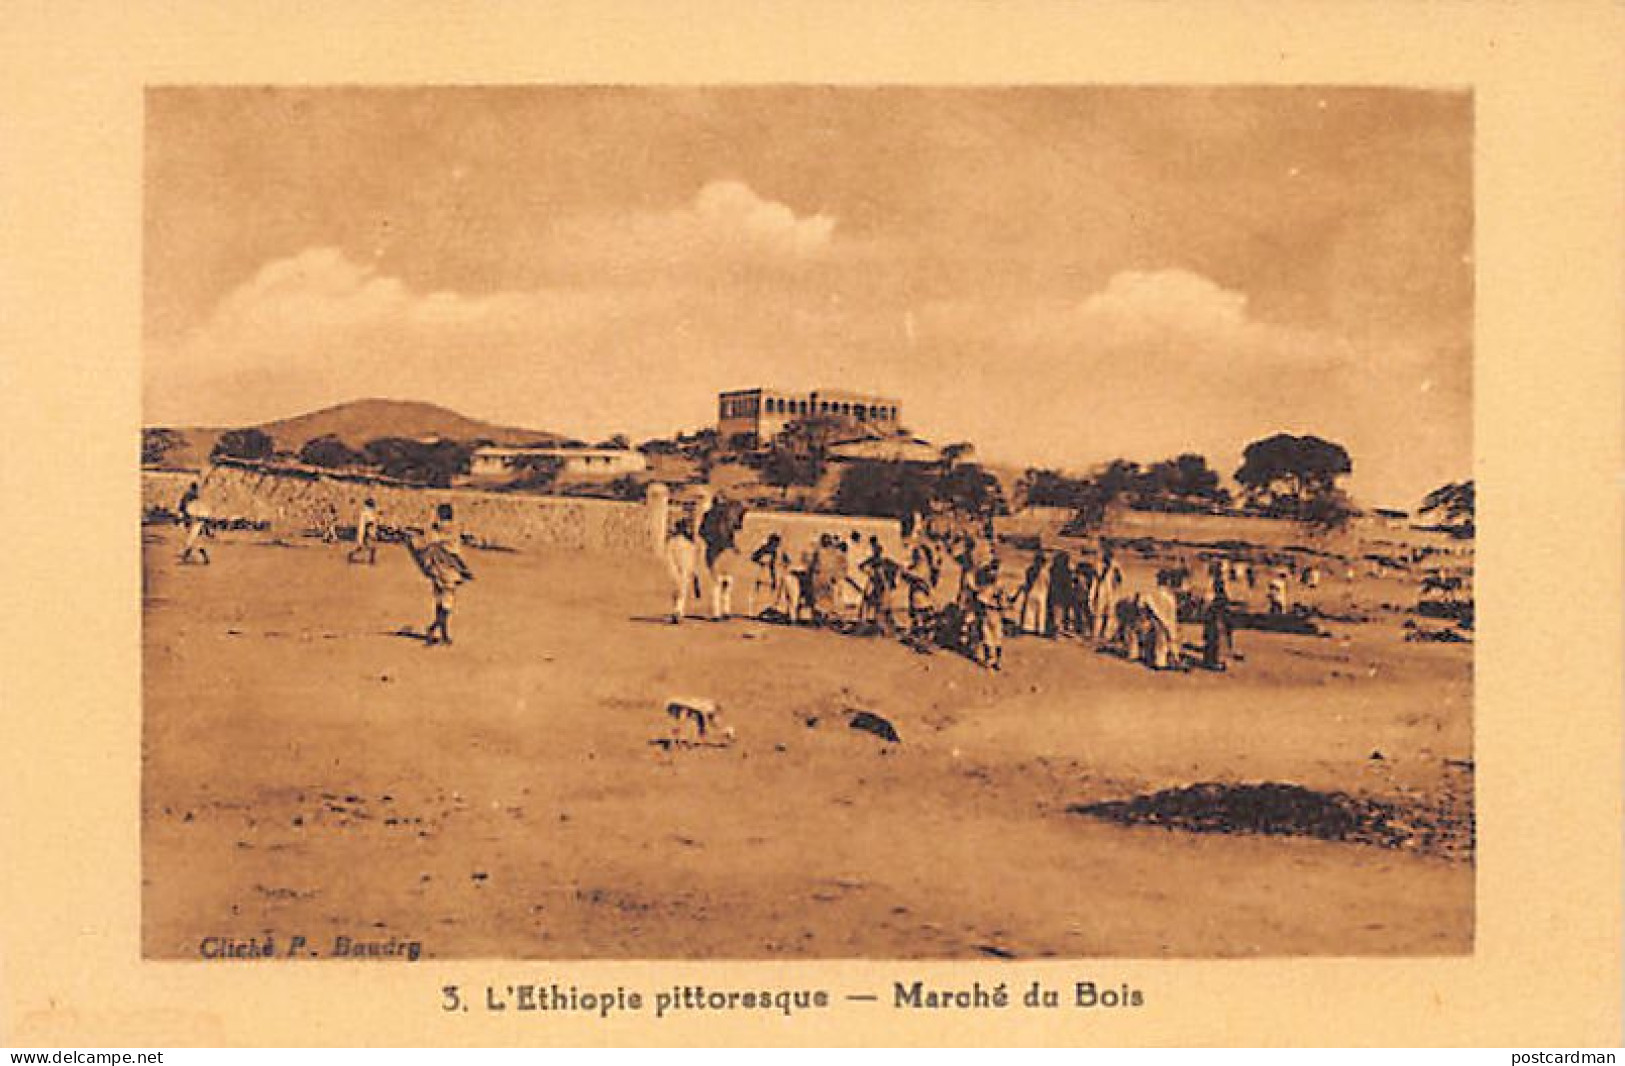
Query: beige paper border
{"points": [[1549, 90]]}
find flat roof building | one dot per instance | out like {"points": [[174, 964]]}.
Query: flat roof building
{"points": [[765, 412], [497, 463]]}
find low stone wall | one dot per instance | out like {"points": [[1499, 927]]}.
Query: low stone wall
{"points": [[161, 490], [293, 501]]}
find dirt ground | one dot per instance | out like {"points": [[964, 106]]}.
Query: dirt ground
{"points": [[309, 771]]}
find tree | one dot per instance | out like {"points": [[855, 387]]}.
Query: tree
{"points": [[619, 442], [953, 453], [894, 490], [156, 444], [243, 444], [1327, 512], [1120, 477], [812, 434], [906, 491], [433, 464], [784, 467], [1050, 488], [1457, 505], [1185, 479], [536, 473], [1290, 476], [330, 452], [970, 489]]}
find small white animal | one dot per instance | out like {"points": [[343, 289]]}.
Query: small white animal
{"points": [[694, 719]]}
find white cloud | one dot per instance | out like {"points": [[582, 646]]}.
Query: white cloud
{"points": [[726, 226], [732, 210], [1152, 364], [1164, 361]]}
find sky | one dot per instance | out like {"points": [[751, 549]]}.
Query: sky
{"points": [[1061, 275]]}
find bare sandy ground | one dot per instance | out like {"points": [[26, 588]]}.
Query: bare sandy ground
{"points": [[310, 772]]}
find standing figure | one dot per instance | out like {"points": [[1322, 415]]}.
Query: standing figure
{"points": [[822, 576], [718, 526], [1277, 593], [682, 555], [1035, 590], [921, 578], [1103, 598], [1063, 603], [787, 599], [328, 523], [880, 580], [1083, 586], [366, 533], [987, 617], [848, 589], [1162, 610], [437, 554], [1218, 637], [195, 516], [766, 560]]}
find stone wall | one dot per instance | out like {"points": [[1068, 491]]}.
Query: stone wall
{"points": [[292, 501], [161, 490]]}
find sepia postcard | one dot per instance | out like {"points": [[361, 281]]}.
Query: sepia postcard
{"points": [[894, 529]]}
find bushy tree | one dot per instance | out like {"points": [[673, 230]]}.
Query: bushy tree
{"points": [[433, 464], [156, 444], [881, 488], [906, 491], [330, 452], [1456, 505], [1327, 512], [784, 467], [970, 489], [1040, 487], [1185, 478], [244, 444], [1291, 476]]}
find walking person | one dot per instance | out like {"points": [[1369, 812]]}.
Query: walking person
{"points": [[438, 555], [682, 557], [195, 517], [366, 533]]}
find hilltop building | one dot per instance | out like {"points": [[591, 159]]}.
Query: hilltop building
{"points": [[763, 413]]}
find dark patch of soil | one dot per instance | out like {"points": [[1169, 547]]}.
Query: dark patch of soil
{"points": [[1277, 809]]}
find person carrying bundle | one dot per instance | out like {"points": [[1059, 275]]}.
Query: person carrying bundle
{"points": [[437, 554]]}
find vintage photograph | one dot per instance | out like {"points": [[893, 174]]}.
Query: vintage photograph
{"points": [[807, 522]]}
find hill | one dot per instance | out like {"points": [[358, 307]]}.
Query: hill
{"points": [[359, 421]]}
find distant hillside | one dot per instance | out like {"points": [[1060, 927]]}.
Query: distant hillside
{"points": [[359, 421]]}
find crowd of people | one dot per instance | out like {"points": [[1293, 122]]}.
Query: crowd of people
{"points": [[946, 588]]}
